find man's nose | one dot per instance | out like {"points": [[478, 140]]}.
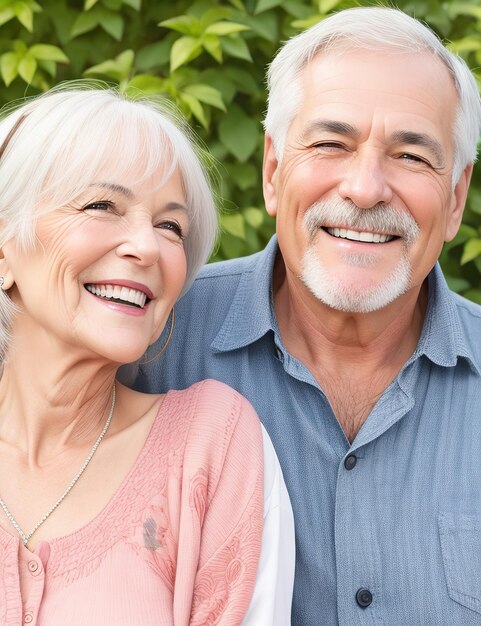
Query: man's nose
{"points": [[364, 181]]}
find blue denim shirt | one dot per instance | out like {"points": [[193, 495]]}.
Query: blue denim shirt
{"points": [[398, 511]]}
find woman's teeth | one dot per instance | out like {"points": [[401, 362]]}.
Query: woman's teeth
{"points": [[119, 294]]}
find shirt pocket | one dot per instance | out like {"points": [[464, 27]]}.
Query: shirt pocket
{"points": [[460, 536]]}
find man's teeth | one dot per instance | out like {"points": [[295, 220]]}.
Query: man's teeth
{"points": [[355, 235], [116, 292]]}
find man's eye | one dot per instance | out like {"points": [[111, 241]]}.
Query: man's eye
{"points": [[328, 145], [101, 205], [413, 158], [174, 227]]}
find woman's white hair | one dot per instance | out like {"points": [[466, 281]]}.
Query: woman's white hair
{"points": [[369, 28], [54, 145]]}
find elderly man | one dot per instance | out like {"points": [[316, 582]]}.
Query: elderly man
{"points": [[364, 367]]}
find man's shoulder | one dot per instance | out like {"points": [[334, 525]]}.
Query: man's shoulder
{"points": [[221, 278], [469, 314], [230, 268]]}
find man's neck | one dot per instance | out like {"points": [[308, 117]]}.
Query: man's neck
{"points": [[353, 357]]}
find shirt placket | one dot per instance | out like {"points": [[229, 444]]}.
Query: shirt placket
{"points": [[32, 581]]}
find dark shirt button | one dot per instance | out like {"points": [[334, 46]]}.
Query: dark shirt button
{"points": [[363, 597], [350, 461]]}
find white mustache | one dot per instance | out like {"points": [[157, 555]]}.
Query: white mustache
{"points": [[382, 218]]}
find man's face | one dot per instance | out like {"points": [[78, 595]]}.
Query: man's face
{"points": [[363, 195]]}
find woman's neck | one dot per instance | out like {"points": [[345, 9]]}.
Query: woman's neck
{"points": [[52, 401]]}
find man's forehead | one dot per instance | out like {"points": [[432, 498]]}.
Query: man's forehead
{"points": [[349, 84]]}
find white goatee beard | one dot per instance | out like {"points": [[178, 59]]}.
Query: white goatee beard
{"points": [[353, 298]]}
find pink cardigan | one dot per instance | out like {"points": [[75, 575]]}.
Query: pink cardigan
{"points": [[177, 545]]}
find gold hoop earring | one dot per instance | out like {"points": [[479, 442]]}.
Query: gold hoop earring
{"points": [[166, 343]]}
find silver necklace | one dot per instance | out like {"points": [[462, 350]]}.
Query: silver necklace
{"points": [[26, 538]]}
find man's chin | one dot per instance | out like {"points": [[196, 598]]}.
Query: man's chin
{"points": [[354, 290]]}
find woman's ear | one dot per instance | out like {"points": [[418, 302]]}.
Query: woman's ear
{"points": [[5, 272]]}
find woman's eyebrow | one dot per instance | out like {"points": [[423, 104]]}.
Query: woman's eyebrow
{"points": [[125, 191]]}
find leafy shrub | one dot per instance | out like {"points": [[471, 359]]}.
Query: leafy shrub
{"points": [[210, 59]]}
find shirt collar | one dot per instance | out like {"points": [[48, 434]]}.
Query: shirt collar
{"points": [[443, 339], [251, 315]]}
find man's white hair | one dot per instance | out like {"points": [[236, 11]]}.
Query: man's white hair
{"points": [[369, 28]]}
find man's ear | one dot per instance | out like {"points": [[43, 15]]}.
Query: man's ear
{"points": [[458, 201], [269, 171]]}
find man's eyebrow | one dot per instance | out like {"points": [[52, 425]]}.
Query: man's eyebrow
{"points": [[331, 126], [421, 139], [125, 191]]}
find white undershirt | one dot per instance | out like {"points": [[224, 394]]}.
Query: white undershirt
{"points": [[271, 601]]}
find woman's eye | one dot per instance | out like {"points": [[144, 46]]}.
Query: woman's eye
{"points": [[101, 205], [174, 227]]}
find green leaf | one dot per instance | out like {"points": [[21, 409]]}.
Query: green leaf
{"points": [[212, 44], [466, 44], [134, 4], [236, 47], [47, 52], [454, 9], [265, 5], [215, 14], [472, 249], [238, 5], [6, 15], [457, 284], [243, 175], [184, 50], [206, 94], [112, 24], [234, 224], [88, 4], [325, 6], [464, 233], [146, 83], [254, 216], [307, 22], [243, 80], [85, 23], [49, 66], [239, 133], [24, 14], [153, 55], [20, 47], [118, 68], [225, 28], [195, 107], [185, 24], [265, 25], [9, 67], [27, 68]]}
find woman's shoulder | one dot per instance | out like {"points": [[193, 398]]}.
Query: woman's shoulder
{"points": [[216, 402], [221, 421]]}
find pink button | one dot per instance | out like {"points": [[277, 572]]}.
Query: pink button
{"points": [[33, 566], [28, 619]]}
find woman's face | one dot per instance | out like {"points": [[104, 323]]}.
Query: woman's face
{"points": [[106, 269]]}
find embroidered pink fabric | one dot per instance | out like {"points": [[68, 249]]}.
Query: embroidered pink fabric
{"points": [[179, 543]]}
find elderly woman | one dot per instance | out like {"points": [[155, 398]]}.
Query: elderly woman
{"points": [[116, 507]]}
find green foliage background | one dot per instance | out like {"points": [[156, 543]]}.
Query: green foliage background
{"points": [[210, 57]]}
